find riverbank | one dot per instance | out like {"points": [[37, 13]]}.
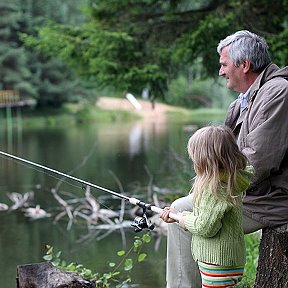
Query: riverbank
{"points": [[109, 109], [158, 113], [161, 111], [106, 109]]}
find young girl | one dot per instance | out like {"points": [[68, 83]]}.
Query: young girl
{"points": [[216, 220]]}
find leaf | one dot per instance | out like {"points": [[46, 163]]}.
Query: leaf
{"points": [[142, 257], [58, 254], [56, 262], [112, 264], [107, 275], [71, 267], [128, 264], [146, 238], [123, 283], [48, 257], [86, 273], [121, 253], [137, 243], [79, 266]]}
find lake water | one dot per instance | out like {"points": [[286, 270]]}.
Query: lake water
{"points": [[133, 154]]}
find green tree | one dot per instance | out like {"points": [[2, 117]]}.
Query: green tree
{"points": [[135, 44], [14, 74], [48, 80], [55, 82]]}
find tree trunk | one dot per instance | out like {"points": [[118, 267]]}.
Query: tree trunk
{"points": [[45, 275], [272, 270]]}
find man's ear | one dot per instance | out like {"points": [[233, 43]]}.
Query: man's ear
{"points": [[246, 65]]}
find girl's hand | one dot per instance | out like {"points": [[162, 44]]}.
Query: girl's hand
{"points": [[165, 215]]}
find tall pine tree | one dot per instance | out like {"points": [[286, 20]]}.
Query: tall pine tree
{"points": [[14, 74], [32, 74]]}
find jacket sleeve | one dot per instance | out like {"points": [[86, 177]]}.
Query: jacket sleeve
{"points": [[268, 130], [206, 221]]}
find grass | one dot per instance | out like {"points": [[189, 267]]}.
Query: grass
{"points": [[71, 114], [202, 115]]}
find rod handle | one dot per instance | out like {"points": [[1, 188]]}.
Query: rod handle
{"points": [[174, 216]]}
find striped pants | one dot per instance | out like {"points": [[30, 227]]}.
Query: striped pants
{"points": [[219, 276]]}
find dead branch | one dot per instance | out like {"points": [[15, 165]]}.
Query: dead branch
{"points": [[20, 200], [66, 207]]}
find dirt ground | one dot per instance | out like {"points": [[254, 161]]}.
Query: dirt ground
{"points": [[157, 114]]}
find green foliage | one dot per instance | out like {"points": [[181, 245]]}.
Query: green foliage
{"points": [[278, 45], [47, 80], [196, 93], [114, 278], [200, 44], [131, 45], [14, 74], [126, 45], [252, 242], [55, 83], [112, 58]]}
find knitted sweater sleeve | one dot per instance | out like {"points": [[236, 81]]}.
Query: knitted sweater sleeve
{"points": [[205, 220]]}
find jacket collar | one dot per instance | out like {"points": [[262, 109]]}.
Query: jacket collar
{"points": [[263, 77], [234, 118]]}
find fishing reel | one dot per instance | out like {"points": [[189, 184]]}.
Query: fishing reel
{"points": [[142, 222]]}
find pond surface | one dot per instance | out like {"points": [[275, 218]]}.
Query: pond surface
{"points": [[133, 154]]}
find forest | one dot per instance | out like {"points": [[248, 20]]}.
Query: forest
{"points": [[65, 51]]}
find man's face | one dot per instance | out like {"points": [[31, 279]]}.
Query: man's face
{"points": [[228, 70]]}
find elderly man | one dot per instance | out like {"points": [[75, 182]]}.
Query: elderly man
{"points": [[259, 119]]}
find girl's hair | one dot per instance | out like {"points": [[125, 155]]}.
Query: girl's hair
{"points": [[245, 45], [217, 159]]}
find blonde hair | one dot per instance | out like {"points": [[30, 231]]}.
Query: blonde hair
{"points": [[217, 159]]}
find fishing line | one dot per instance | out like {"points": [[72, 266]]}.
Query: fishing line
{"points": [[31, 165], [45, 168], [42, 171], [139, 222]]}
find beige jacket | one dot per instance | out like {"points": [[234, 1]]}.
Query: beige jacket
{"points": [[262, 135]]}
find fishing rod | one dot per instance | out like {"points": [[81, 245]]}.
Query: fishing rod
{"points": [[139, 223]]}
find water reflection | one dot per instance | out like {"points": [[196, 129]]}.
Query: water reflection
{"points": [[135, 138]]}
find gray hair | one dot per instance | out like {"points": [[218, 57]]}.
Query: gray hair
{"points": [[245, 45]]}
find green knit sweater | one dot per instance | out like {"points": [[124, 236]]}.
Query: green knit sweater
{"points": [[216, 225]]}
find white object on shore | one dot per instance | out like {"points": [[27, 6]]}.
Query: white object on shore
{"points": [[133, 101], [36, 213], [3, 207]]}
